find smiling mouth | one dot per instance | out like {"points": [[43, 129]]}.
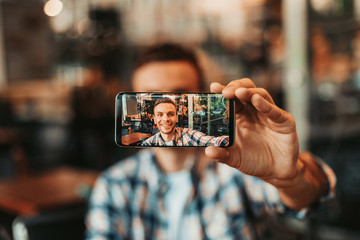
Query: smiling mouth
{"points": [[167, 125]]}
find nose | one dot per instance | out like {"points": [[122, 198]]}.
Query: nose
{"points": [[165, 117]]}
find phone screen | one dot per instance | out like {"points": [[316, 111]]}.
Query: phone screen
{"points": [[174, 120]]}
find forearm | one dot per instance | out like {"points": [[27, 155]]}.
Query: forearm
{"points": [[309, 184]]}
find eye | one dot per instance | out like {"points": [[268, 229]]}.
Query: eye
{"points": [[171, 114], [159, 114]]}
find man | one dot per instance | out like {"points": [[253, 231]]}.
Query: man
{"points": [[172, 193], [165, 117]]}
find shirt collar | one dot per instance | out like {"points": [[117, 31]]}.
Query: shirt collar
{"points": [[175, 138], [157, 177]]}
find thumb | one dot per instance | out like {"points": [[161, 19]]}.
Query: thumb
{"points": [[217, 153]]}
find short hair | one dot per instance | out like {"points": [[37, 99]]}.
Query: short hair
{"points": [[163, 100], [170, 52]]}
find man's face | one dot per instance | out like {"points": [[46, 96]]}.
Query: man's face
{"points": [[165, 117], [171, 76]]}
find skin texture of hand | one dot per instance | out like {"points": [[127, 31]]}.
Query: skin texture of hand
{"points": [[266, 144]]}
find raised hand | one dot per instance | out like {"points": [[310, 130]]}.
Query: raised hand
{"points": [[266, 144]]}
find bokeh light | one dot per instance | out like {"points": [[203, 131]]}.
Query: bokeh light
{"points": [[53, 7]]}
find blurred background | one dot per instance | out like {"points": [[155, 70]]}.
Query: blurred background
{"points": [[63, 61]]}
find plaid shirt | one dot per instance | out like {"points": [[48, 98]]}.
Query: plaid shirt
{"points": [[128, 202], [188, 137]]}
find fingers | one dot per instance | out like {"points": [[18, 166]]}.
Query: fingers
{"points": [[232, 86], [216, 87], [245, 94], [244, 90], [244, 82], [217, 153], [270, 110], [229, 90]]}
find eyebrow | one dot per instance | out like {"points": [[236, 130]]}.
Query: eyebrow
{"points": [[166, 112]]}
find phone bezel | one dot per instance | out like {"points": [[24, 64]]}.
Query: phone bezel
{"points": [[118, 119]]}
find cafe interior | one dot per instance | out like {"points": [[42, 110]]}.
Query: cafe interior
{"points": [[62, 62]]}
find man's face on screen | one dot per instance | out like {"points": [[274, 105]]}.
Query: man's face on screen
{"points": [[165, 117]]}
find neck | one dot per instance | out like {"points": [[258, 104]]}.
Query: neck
{"points": [[172, 159]]}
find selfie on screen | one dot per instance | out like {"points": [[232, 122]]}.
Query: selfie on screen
{"points": [[173, 119]]}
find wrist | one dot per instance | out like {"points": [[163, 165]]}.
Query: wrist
{"points": [[292, 179], [308, 184]]}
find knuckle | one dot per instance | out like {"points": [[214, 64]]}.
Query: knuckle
{"points": [[248, 81], [263, 92], [241, 83]]}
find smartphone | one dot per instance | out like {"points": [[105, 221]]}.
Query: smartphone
{"points": [[163, 119]]}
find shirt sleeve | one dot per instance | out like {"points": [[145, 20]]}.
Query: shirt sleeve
{"points": [[202, 139], [331, 181], [264, 197]]}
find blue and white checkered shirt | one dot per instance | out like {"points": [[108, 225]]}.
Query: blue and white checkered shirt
{"points": [[128, 202], [188, 137]]}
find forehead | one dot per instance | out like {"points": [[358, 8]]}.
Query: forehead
{"points": [[165, 107], [168, 76]]}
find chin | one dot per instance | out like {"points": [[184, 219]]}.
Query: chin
{"points": [[168, 131]]}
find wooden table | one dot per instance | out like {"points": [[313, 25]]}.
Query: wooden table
{"points": [[134, 137], [55, 188]]}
